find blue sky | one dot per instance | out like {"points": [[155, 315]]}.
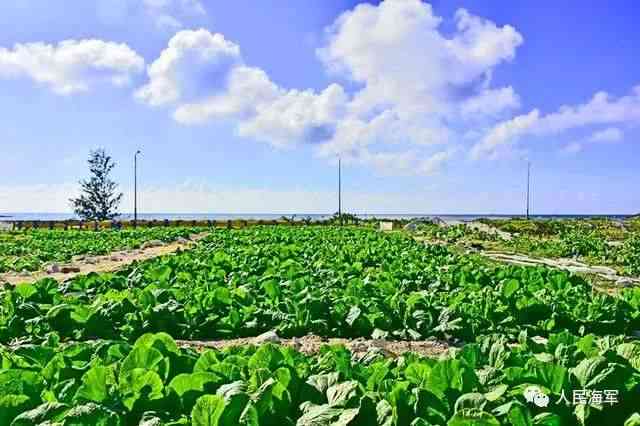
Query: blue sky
{"points": [[245, 106]]}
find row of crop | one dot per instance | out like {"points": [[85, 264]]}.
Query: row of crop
{"points": [[30, 250], [587, 240], [154, 382], [328, 281]]}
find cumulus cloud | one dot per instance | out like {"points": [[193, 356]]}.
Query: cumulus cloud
{"points": [[168, 14], [191, 60], [204, 77], [415, 87], [610, 134], [71, 66], [415, 81], [573, 148], [601, 109]]}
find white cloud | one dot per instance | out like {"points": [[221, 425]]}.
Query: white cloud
{"points": [[192, 58], [600, 110], [417, 87], [490, 102], [610, 134], [573, 148], [71, 66], [211, 67], [168, 14], [503, 132]]}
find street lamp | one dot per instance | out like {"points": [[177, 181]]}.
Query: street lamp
{"points": [[135, 188], [340, 189]]}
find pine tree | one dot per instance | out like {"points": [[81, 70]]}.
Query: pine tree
{"points": [[99, 199]]}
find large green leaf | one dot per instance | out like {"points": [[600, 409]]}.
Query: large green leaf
{"points": [[472, 417], [208, 410], [51, 411], [96, 384], [90, 414], [146, 358], [140, 384], [11, 405]]}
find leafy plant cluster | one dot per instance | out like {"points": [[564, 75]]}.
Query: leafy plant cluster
{"points": [[570, 243], [604, 228], [336, 282], [596, 241], [630, 254], [30, 249], [154, 382], [453, 234]]}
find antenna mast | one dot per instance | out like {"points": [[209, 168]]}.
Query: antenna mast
{"points": [[340, 190], [528, 185]]}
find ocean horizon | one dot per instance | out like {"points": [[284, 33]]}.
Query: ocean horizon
{"points": [[39, 216]]}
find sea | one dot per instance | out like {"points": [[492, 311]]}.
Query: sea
{"points": [[12, 217]]}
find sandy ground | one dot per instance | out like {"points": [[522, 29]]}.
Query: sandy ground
{"points": [[479, 226], [311, 344], [86, 264], [570, 265], [603, 272]]}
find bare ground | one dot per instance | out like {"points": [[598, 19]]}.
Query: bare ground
{"points": [[108, 263], [311, 344], [571, 265]]}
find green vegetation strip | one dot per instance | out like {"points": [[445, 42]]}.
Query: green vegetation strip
{"points": [[594, 241], [334, 282], [153, 382], [30, 250]]}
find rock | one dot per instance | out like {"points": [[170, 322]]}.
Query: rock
{"points": [[182, 240], [411, 227], [52, 269], [295, 343], [90, 261], [78, 258], [69, 269], [268, 337], [152, 243], [25, 273], [540, 340], [625, 282], [115, 258]]}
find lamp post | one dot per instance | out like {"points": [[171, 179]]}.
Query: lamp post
{"points": [[340, 190], [135, 188], [528, 184]]}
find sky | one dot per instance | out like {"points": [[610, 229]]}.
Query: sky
{"points": [[245, 106]]}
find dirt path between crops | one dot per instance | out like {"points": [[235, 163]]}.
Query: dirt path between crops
{"points": [[311, 344], [82, 265], [570, 265]]}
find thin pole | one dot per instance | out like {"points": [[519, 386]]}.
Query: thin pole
{"points": [[135, 189], [340, 190], [528, 185]]}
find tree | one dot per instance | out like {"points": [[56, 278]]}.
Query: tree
{"points": [[99, 199]]}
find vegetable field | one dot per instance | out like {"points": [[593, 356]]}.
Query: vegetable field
{"points": [[594, 241], [99, 349], [30, 250]]}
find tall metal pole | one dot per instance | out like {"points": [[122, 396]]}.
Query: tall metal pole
{"points": [[528, 185], [135, 189], [340, 190]]}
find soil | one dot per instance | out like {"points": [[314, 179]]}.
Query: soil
{"points": [[570, 265], [107, 263], [311, 344]]}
